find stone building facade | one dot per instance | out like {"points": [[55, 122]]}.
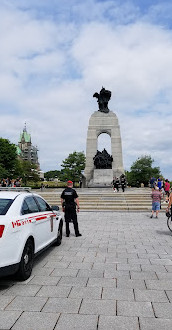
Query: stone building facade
{"points": [[25, 149]]}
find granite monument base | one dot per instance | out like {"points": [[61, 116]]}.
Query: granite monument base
{"points": [[101, 178]]}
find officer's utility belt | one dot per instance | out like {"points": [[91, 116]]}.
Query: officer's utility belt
{"points": [[68, 206]]}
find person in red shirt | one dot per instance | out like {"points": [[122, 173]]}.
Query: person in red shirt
{"points": [[167, 187], [156, 201]]}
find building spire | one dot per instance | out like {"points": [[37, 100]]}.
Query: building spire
{"points": [[24, 129]]}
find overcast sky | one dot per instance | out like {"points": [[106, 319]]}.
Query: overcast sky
{"points": [[56, 54]]}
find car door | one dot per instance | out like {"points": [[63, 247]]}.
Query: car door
{"points": [[51, 228], [40, 222]]}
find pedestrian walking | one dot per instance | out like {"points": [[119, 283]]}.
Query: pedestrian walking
{"points": [[113, 184], [152, 182], [117, 183], [123, 182], [167, 187], [156, 201], [159, 183], [169, 207], [69, 202]]}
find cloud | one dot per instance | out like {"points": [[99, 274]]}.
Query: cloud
{"points": [[50, 68]]}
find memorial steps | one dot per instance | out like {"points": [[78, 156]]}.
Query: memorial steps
{"points": [[106, 199]]}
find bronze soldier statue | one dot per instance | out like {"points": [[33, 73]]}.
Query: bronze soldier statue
{"points": [[103, 99]]}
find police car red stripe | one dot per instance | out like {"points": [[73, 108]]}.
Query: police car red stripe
{"points": [[1, 230]]}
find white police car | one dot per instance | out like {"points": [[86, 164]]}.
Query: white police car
{"points": [[27, 226]]}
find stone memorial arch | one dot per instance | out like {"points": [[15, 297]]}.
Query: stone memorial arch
{"points": [[103, 121]]}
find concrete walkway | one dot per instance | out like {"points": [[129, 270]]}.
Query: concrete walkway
{"points": [[118, 276]]}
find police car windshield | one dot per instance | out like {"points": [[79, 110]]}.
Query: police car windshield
{"points": [[5, 205]]}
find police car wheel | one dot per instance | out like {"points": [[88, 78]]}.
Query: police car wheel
{"points": [[26, 263], [59, 235]]}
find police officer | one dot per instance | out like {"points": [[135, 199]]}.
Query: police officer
{"points": [[123, 182], [117, 183], [69, 202]]}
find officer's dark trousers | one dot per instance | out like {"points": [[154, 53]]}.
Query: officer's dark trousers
{"points": [[123, 187], [70, 214]]}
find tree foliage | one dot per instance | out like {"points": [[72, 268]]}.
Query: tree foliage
{"points": [[141, 171], [72, 167], [52, 175], [8, 158], [28, 171]]}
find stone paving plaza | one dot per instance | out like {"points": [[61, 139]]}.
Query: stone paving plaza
{"points": [[118, 276]]}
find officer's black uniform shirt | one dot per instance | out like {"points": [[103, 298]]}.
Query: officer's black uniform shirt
{"points": [[123, 181], [69, 195]]}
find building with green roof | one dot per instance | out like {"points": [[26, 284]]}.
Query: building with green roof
{"points": [[25, 149]]}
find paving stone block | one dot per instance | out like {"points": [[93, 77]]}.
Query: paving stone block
{"points": [[134, 267], [168, 268], [44, 280], [155, 324], [23, 290], [54, 291], [164, 276], [72, 259], [150, 295], [103, 266], [143, 275], [139, 261], [97, 307], [77, 321], [95, 259], [161, 262], [102, 282], [116, 260], [73, 281], [87, 253], [148, 255], [8, 318], [64, 272], [159, 284], [153, 268], [118, 294], [118, 323], [36, 321], [58, 264], [123, 283], [111, 273], [86, 292], [163, 310], [62, 305], [5, 300], [44, 271], [133, 308], [90, 273], [80, 265], [169, 294], [28, 304]]}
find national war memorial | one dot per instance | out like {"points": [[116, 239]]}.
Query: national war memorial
{"points": [[100, 166]]}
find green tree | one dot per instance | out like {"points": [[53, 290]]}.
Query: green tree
{"points": [[28, 171], [141, 171], [51, 174], [8, 158], [72, 167]]}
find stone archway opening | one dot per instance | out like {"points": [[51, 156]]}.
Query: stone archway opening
{"points": [[104, 141]]}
